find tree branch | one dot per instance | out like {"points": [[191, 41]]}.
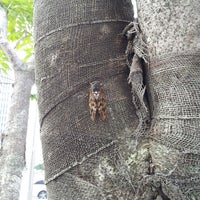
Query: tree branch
{"points": [[31, 64], [11, 54], [17, 43]]}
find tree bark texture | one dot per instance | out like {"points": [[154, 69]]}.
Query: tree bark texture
{"points": [[78, 42], [12, 160], [171, 30]]}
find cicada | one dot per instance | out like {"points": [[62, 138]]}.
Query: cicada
{"points": [[97, 101]]}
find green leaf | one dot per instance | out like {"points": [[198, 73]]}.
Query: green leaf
{"points": [[26, 58], [5, 65], [4, 71], [39, 167], [20, 26], [34, 97]]}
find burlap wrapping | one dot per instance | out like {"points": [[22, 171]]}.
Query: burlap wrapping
{"points": [[78, 42], [175, 86], [174, 82]]}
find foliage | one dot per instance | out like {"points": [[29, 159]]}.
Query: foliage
{"points": [[34, 97], [20, 28], [39, 167], [4, 63]]}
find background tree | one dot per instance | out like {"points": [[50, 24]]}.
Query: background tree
{"points": [[125, 157], [18, 31]]}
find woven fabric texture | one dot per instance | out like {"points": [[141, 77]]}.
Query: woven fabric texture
{"points": [[78, 42]]}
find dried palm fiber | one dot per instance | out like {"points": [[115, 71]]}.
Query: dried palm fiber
{"points": [[84, 47], [136, 51], [174, 97]]}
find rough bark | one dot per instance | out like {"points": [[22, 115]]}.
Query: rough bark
{"points": [[171, 30], [77, 42], [12, 159], [13, 152]]}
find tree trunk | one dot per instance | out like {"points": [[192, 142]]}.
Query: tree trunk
{"points": [[13, 153], [76, 43], [171, 32]]}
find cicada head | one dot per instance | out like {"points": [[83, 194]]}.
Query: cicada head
{"points": [[95, 88]]}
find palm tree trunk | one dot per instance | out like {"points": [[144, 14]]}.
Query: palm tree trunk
{"points": [[76, 43]]}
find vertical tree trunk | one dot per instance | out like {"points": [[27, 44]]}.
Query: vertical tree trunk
{"points": [[12, 160], [78, 42], [172, 34]]}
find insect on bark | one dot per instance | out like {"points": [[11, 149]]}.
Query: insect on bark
{"points": [[97, 101]]}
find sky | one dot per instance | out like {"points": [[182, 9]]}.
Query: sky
{"points": [[33, 153], [134, 8]]}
